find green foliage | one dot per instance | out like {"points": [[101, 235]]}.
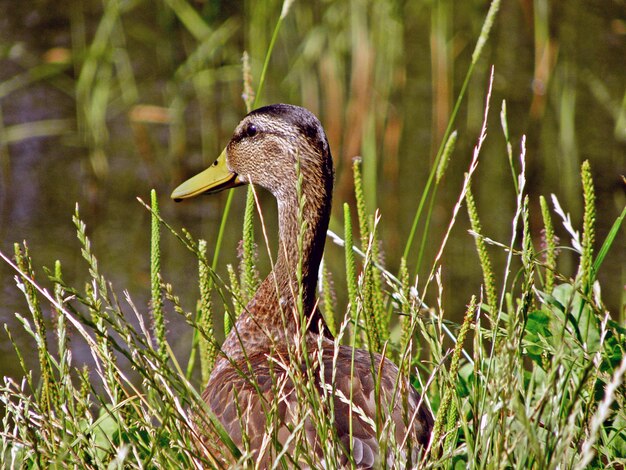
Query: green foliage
{"points": [[328, 300], [237, 303], [208, 348], [549, 242], [447, 413], [448, 149], [555, 379], [23, 262], [249, 276], [103, 417], [587, 276], [575, 350], [374, 312], [406, 323], [351, 275], [155, 276], [98, 300], [481, 248]]}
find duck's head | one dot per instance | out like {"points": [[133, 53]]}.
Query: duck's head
{"points": [[264, 150]]}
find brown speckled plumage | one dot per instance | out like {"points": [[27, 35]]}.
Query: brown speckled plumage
{"points": [[255, 371]]}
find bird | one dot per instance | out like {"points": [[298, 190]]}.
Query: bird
{"points": [[281, 373]]}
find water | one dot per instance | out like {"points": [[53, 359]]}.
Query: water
{"points": [[568, 107]]}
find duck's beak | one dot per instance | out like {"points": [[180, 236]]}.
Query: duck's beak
{"points": [[212, 180]]}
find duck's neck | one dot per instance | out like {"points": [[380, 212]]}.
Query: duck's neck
{"points": [[300, 250], [274, 310]]}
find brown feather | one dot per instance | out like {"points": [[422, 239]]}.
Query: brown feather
{"points": [[262, 386]]}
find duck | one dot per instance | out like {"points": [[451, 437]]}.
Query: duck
{"points": [[352, 397]]}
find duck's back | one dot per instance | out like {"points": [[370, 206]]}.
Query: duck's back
{"points": [[247, 403]]}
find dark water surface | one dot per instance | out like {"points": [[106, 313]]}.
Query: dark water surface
{"points": [[562, 72]]}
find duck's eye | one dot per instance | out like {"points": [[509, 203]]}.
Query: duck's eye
{"points": [[251, 130]]}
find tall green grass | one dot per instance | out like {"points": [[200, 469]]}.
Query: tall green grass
{"points": [[539, 386], [532, 377]]}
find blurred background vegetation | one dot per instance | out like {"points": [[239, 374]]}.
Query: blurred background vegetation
{"points": [[101, 100]]}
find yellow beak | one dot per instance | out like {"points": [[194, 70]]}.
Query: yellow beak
{"points": [[212, 180]]}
